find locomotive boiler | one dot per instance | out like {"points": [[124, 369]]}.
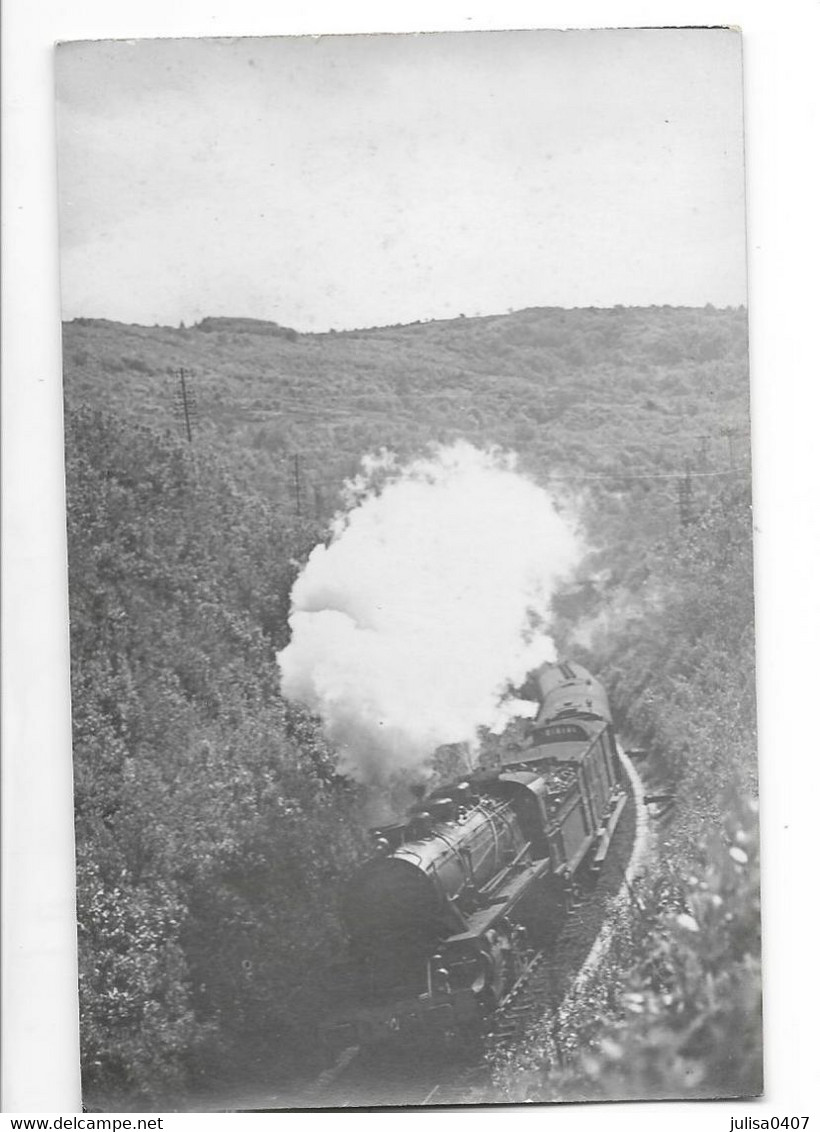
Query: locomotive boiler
{"points": [[443, 919]]}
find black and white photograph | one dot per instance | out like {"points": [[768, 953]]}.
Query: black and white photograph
{"points": [[411, 597]]}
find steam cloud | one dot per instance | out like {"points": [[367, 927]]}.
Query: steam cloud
{"points": [[430, 601]]}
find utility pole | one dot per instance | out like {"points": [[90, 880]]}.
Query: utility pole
{"points": [[685, 498], [730, 433], [298, 482], [185, 406]]}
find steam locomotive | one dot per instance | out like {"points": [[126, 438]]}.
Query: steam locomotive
{"points": [[443, 920]]}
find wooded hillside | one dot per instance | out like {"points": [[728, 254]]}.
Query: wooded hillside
{"points": [[212, 830], [573, 392]]}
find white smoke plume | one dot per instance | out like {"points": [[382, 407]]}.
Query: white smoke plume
{"points": [[624, 610], [429, 602]]}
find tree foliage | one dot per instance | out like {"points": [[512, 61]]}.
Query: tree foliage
{"points": [[211, 827]]}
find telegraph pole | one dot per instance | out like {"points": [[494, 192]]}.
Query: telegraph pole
{"points": [[185, 406], [730, 433], [298, 482], [685, 499]]}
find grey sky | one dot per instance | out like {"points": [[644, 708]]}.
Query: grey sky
{"points": [[364, 180]]}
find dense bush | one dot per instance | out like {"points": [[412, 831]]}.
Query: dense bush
{"points": [[211, 828], [671, 633]]}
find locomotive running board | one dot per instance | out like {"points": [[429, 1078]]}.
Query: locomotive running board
{"points": [[482, 919], [606, 834]]}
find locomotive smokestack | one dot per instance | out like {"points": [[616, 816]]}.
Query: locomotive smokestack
{"points": [[431, 599]]}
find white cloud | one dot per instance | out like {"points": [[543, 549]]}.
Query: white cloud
{"points": [[360, 180]]}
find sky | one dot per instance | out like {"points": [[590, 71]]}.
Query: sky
{"points": [[349, 181]]}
